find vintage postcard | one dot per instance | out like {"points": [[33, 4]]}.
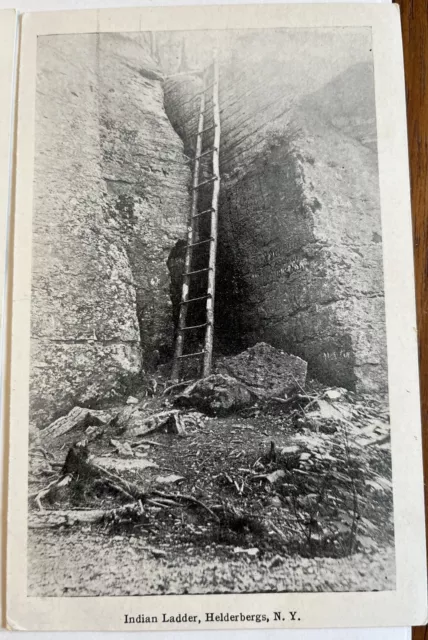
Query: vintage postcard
{"points": [[214, 409]]}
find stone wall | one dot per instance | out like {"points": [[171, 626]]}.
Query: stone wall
{"points": [[300, 251], [111, 201]]}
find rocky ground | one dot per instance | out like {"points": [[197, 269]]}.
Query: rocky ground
{"points": [[90, 562], [288, 494]]}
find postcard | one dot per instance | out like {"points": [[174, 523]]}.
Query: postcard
{"points": [[214, 409]]}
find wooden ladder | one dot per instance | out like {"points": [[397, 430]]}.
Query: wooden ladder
{"points": [[207, 219]]}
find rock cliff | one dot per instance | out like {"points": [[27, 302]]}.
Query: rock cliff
{"points": [[111, 201], [300, 243]]}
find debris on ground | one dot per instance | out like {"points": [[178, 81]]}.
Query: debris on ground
{"points": [[137, 420], [58, 518], [73, 563], [176, 425], [332, 408], [172, 479], [132, 465], [77, 418], [123, 449], [172, 421], [266, 371], [270, 477], [276, 561], [72, 517], [216, 395], [307, 475], [153, 423], [249, 552]]}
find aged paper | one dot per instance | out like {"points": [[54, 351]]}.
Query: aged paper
{"points": [[233, 537]]}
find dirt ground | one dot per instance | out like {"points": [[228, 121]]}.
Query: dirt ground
{"points": [[91, 563], [314, 515]]}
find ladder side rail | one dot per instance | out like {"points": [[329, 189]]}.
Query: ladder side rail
{"points": [[209, 333], [188, 258]]}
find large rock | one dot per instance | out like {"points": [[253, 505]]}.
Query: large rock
{"points": [[217, 394], [266, 371], [300, 238], [110, 203], [147, 179]]}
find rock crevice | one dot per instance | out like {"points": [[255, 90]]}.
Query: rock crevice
{"points": [[300, 252], [111, 201]]}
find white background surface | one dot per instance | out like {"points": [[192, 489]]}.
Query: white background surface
{"points": [[326, 634]]}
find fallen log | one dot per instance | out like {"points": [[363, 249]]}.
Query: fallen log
{"points": [[69, 517], [77, 418], [49, 519], [84, 467]]}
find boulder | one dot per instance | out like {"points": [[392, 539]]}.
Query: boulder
{"points": [[266, 371], [217, 394]]}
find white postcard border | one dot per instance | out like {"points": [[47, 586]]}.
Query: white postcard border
{"points": [[407, 604]]}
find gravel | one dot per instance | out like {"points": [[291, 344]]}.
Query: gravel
{"points": [[88, 562]]}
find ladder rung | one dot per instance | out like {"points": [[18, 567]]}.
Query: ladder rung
{"points": [[205, 153], [192, 273], [208, 295], [195, 326], [195, 244], [201, 213], [201, 184], [192, 355], [212, 126]]}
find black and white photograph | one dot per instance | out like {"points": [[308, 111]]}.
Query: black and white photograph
{"points": [[214, 410], [208, 393]]}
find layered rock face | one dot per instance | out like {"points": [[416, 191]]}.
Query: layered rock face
{"points": [[147, 178], [111, 201], [300, 252]]}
